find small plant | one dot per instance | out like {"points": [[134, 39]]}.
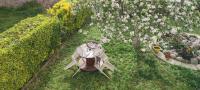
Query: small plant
{"points": [[187, 53]]}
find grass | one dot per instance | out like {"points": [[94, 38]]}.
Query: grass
{"points": [[197, 31], [10, 16], [135, 73]]}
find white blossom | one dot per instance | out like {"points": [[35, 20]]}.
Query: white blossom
{"points": [[143, 18]]}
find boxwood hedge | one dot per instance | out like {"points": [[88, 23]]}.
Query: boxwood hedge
{"points": [[24, 47]]}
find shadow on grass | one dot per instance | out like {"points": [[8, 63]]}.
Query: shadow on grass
{"points": [[148, 69], [86, 81]]}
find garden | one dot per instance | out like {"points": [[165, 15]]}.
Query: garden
{"points": [[152, 44]]}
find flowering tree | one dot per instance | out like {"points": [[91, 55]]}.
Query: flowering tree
{"points": [[141, 21]]}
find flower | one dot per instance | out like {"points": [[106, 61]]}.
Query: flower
{"points": [[143, 50], [132, 33], [80, 30], [173, 31], [144, 19]]}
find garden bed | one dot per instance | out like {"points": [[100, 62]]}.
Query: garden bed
{"points": [[180, 49]]}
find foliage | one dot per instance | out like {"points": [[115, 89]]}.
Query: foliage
{"points": [[62, 10], [72, 17], [10, 16], [143, 21], [24, 47], [82, 16]]}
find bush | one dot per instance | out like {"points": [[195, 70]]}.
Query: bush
{"points": [[24, 47], [63, 11], [72, 16]]}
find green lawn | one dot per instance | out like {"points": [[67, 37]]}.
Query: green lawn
{"points": [[10, 16], [197, 31], [135, 73]]}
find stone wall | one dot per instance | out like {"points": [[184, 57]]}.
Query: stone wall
{"points": [[12, 3], [16, 3], [47, 3]]}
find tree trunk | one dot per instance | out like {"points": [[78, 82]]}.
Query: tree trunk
{"points": [[136, 40], [182, 2], [120, 2]]}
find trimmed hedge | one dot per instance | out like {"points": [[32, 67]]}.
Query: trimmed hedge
{"points": [[72, 16], [24, 47]]}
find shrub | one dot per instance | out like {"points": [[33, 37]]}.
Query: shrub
{"points": [[83, 15], [23, 47], [72, 16], [63, 11]]}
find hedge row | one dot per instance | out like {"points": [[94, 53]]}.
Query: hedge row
{"points": [[24, 47], [72, 16]]}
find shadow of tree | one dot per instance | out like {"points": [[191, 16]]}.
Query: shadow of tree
{"points": [[86, 81], [148, 68]]}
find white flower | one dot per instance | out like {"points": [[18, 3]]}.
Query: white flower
{"points": [[146, 37], [193, 8], [188, 2], [174, 31], [145, 19], [115, 24], [105, 40], [156, 16], [159, 34], [130, 40], [154, 31], [125, 41], [154, 39], [190, 29], [159, 20], [91, 24], [80, 30], [153, 6], [85, 32], [143, 50], [141, 3], [162, 23], [132, 33]]}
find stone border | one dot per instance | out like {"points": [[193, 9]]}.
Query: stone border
{"points": [[178, 63], [161, 56]]}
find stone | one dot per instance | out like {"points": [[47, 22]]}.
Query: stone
{"points": [[179, 59], [198, 57], [194, 61], [173, 55], [198, 61], [196, 44], [187, 61], [198, 51], [161, 55], [105, 40], [193, 39], [184, 41]]}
